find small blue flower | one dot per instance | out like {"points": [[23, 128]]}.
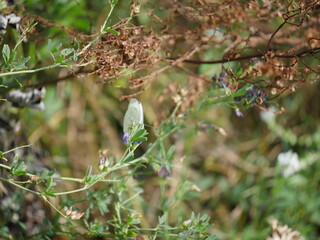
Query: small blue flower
{"points": [[164, 172], [126, 138]]}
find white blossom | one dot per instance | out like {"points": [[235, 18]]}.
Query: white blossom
{"points": [[289, 162], [269, 115]]}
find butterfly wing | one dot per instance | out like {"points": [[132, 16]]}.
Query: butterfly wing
{"points": [[133, 116]]}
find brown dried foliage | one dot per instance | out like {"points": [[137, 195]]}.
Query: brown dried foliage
{"points": [[244, 31], [132, 48], [284, 34]]}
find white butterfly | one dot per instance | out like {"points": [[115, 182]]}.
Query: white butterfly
{"points": [[27, 98], [133, 116]]}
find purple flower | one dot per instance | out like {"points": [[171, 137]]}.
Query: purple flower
{"points": [[260, 93], [255, 95], [239, 113], [254, 61], [214, 78], [126, 138], [223, 74], [164, 172], [203, 127], [249, 94], [220, 82], [104, 163]]}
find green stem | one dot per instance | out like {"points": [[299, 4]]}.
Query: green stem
{"points": [[55, 178], [100, 178], [19, 186], [47, 201], [23, 35], [123, 24], [107, 19], [73, 191], [101, 31], [16, 148], [156, 229], [79, 180], [117, 208], [5, 166], [32, 70]]}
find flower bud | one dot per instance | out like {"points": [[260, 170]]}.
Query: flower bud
{"points": [[164, 172], [104, 163], [126, 138]]}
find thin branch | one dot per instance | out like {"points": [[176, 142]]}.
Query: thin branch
{"points": [[305, 53], [273, 34]]}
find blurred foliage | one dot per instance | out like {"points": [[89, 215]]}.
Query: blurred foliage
{"points": [[196, 67]]}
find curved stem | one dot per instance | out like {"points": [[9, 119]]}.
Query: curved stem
{"points": [[19, 186]]}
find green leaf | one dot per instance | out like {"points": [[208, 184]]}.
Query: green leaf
{"points": [[18, 168], [12, 57], [102, 205], [51, 193], [239, 72], [170, 152], [59, 59], [113, 2], [6, 53], [139, 136], [141, 139], [162, 219], [47, 174], [66, 51], [128, 158], [21, 65], [135, 221], [242, 91], [75, 56], [88, 176], [25, 60], [49, 44], [131, 233], [111, 31], [57, 48], [211, 237], [50, 183]]}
